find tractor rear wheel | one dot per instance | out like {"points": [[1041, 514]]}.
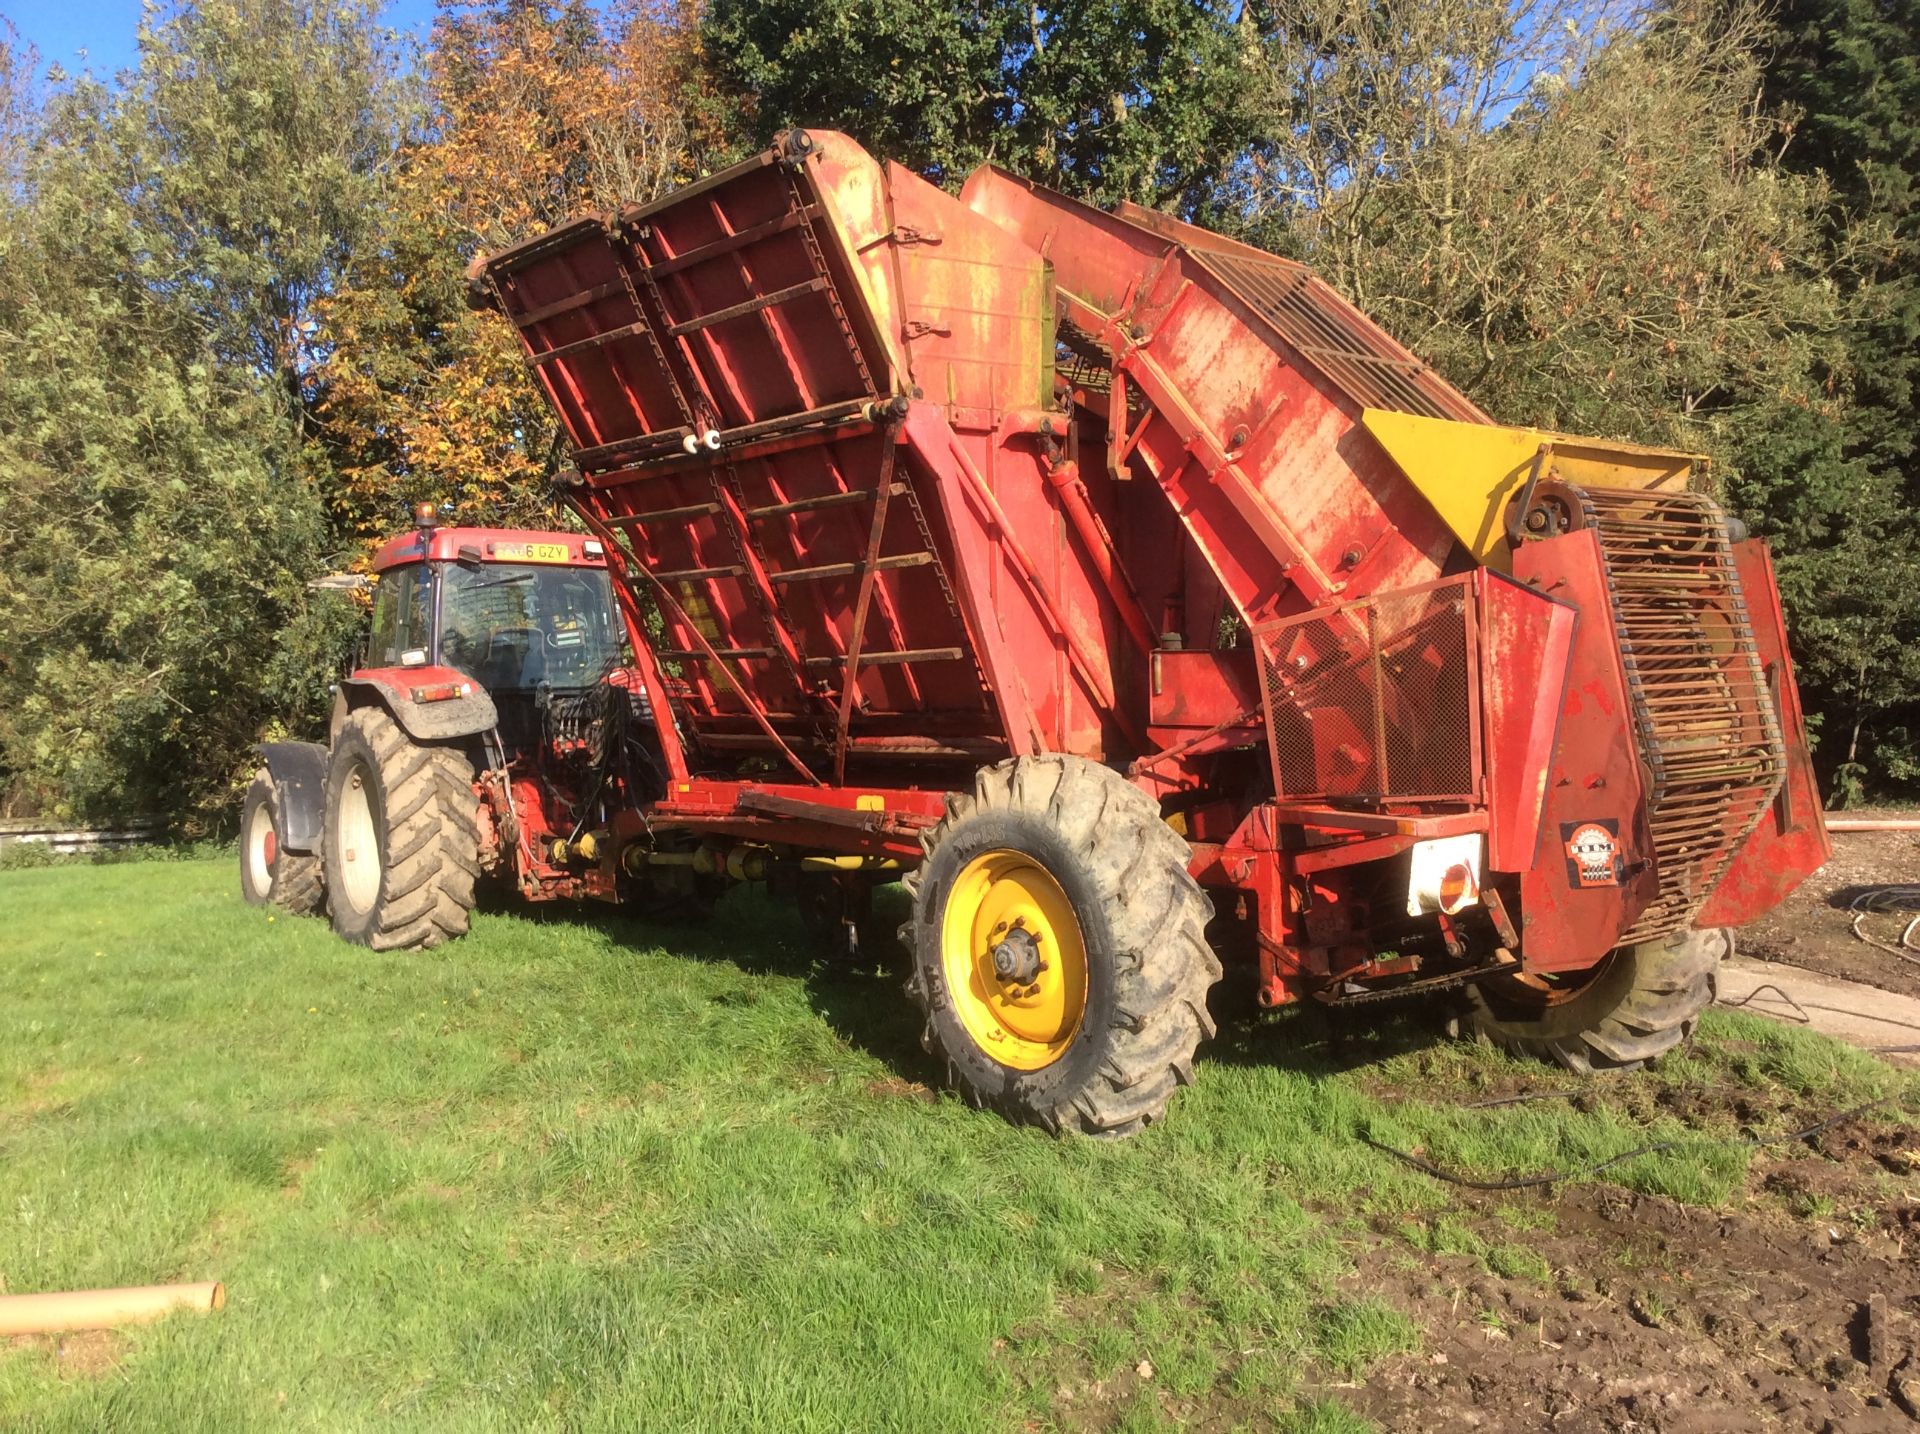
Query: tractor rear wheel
{"points": [[402, 836], [1059, 947], [269, 873], [1635, 1006]]}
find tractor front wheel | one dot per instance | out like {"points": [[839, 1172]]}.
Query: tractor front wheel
{"points": [[1635, 1006], [1059, 947], [269, 873], [402, 836]]}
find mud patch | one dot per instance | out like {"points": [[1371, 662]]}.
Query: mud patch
{"points": [[1798, 1310], [84, 1354], [1812, 928], [893, 1087]]}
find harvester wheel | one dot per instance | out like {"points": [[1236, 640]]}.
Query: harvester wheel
{"points": [[402, 840], [1059, 947], [269, 873], [1638, 1004]]}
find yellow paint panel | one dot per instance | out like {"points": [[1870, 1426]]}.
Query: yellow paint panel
{"points": [[1470, 471]]}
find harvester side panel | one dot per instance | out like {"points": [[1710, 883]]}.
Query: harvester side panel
{"points": [[916, 483], [1594, 795], [1791, 841], [832, 581]]}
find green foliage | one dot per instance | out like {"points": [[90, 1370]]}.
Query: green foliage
{"points": [[1108, 101], [162, 519], [259, 131], [921, 84], [1850, 72]]}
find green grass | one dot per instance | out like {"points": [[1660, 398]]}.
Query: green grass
{"points": [[554, 1176]]}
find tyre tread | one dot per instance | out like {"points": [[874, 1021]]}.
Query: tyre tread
{"points": [[432, 837], [1162, 962]]}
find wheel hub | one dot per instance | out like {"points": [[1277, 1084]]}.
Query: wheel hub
{"points": [[1015, 959]]}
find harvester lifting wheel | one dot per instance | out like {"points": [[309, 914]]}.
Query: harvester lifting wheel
{"points": [[269, 873], [1058, 947], [1635, 1006], [402, 836]]}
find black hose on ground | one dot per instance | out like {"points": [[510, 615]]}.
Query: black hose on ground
{"points": [[1560, 1177]]}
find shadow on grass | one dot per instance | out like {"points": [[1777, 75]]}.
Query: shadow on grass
{"points": [[1308, 1039], [863, 999]]}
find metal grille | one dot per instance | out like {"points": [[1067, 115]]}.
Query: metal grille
{"points": [[1338, 339], [1375, 699], [1706, 722]]}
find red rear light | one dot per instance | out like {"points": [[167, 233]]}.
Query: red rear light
{"points": [[1457, 887]]}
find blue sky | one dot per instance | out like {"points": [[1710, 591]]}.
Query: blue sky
{"points": [[60, 29]]}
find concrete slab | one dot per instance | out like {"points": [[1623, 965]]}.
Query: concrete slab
{"points": [[1880, 1021]]}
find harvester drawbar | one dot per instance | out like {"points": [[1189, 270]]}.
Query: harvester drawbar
{"points": [[1147, 604]]}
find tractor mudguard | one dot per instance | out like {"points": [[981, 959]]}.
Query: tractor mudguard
{"points": [[435, 719], [299, 772]]}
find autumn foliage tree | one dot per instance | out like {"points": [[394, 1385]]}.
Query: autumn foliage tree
{"points": [[534, 114]]}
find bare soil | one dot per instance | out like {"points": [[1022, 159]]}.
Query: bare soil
{"points": [[1798, 1310], [83, 1354], [1813, 928]]}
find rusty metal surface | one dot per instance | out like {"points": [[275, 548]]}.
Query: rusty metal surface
{"points": [[1526, 648], [1595, 779], [1336, 338]]}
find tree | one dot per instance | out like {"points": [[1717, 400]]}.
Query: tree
{"points": [[157, 518], [535, 114], [1849, 70], [1122, 99], [263, 127], [922, 84]]}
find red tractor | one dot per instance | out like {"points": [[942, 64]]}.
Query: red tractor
{"points": [[494, 731]]}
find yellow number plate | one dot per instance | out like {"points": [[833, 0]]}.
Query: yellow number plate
{"points": [[532, 552]]}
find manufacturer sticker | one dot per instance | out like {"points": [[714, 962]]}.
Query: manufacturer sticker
{"points": [[1593, 852]]}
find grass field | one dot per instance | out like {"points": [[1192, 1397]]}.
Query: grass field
{"points": [[577, 1172]]}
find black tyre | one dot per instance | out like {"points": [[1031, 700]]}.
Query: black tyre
{"points": [[1635, 1006], [270, 875], [402, 836], [1059, 948]]}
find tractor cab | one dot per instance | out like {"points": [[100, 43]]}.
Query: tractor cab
{"points": [[518, 612]]}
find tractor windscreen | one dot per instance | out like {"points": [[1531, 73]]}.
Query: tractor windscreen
{"points": [[512, 627]]}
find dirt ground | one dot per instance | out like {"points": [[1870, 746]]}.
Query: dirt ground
{"points": [[1799, 1310], [1813, 928]]}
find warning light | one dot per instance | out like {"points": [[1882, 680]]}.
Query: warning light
{"points": [[1457, 888]]}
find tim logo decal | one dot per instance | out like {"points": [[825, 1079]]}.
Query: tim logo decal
{"points": [[1593, 852]]}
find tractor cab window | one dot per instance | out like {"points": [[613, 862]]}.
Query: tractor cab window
{"points": [[400, 615], [511, 626]]}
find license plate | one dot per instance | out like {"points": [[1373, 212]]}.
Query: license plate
{"points": [[532, 552]]}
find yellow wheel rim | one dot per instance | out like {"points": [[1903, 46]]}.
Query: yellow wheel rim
{"points": [[1025, 1007]]}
